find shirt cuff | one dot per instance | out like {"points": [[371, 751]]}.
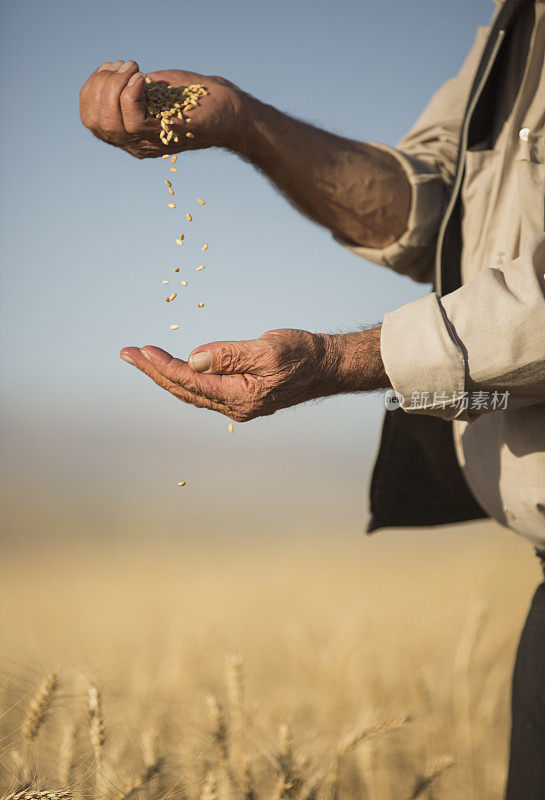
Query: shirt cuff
{"points": [[412, 254], [424, 360]]}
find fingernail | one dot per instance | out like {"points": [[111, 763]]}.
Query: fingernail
{"points": [[106, 65], [146, 355], [134, 78], [128, 359], [200, 362], [126, 66], [115, 66]]}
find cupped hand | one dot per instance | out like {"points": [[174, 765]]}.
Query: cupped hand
{"points": [[247, 379], [112, 107]]}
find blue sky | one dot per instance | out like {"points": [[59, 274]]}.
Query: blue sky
{"points": [[87, 240]]}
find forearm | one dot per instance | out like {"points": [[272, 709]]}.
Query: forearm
{"points": [[359, 192], [356, 362]]}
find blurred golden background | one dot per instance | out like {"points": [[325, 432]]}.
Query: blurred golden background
{"points": [[335, 635]]}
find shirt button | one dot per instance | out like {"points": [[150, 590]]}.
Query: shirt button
{"points": [[524, 133]]}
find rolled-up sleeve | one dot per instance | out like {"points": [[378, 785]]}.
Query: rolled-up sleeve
{"points": [[428, 155], [412, 254], [444, 354]]}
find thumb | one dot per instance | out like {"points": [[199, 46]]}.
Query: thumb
{"points": [[133, 106], [226, 358]]}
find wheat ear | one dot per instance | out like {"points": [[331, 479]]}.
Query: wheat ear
{"points": [[38, 707], [97, 735], [424, 781], [35, 716], [67, 756]]}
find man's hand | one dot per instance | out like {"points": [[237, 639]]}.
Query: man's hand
{"points": [[255, 378], [358, 191], [112, 106]]}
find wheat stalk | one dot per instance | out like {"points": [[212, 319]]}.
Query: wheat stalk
{"points": [[219, 728], [424, 781], [67, 756], [247, 781], [141, 780], [35, 716], [36, 795], [352, 740], [235, 698], [288, 780], [209, 790], [38, 707], [97, 735], [96, 723]]}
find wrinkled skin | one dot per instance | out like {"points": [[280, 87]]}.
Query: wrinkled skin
{"points": [[246, 379], [115, 112]]}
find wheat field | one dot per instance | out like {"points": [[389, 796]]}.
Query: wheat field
{"points": [[374, 668]]}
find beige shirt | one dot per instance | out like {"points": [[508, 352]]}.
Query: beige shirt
{"points": [[477, 355]]}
